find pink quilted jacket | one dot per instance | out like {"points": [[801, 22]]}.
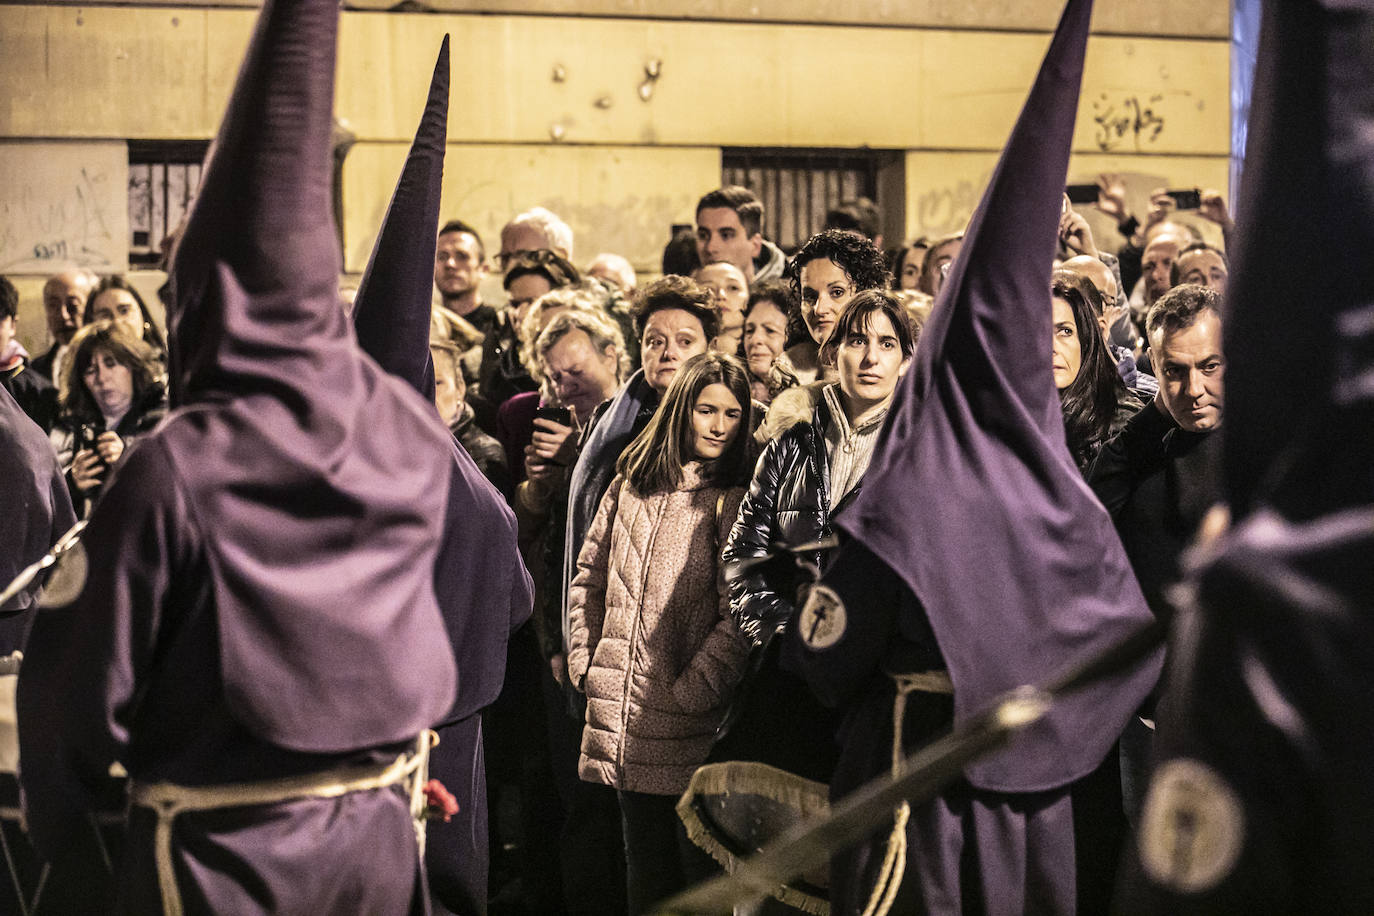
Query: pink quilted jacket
{"points": [[652, 642]]}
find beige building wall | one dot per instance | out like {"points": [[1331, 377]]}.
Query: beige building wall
{"points": [[553, 104]]}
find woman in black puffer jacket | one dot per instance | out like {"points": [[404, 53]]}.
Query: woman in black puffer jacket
{"points": [[804, 478]]}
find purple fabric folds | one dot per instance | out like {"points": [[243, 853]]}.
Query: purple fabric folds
{"points": [[317, 480], [972, 496], [35, 506], [1269, 682]]}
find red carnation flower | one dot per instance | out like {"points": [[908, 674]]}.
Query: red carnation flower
{"points": [[440, 801]]}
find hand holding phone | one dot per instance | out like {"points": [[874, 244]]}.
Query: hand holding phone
{"points": [[554, 439], [1186, 200]]}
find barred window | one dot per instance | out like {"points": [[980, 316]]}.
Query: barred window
{"points": [[163, 177], [798, 186]]}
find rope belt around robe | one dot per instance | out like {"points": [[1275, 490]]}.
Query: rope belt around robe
{"points": [[168, 800], [894, 859]]}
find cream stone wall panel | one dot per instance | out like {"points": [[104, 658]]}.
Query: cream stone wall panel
{"points": [[166, 72], [910, 88], [63, 203], [118, 73], [1139, 95], [1185, 18], [618, 199]]}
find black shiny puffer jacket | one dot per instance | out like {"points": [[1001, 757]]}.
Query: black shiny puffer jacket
{"points": [[788, 504]]}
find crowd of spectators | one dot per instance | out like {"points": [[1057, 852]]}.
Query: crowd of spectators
{"points": [[663, 441]]}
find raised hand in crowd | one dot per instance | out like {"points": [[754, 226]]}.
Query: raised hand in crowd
{"points": [[1111, 197], [1213, 207], [1162, 206], [1075, 233]]}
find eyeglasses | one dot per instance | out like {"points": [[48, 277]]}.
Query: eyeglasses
{"points": [[530, 255]]}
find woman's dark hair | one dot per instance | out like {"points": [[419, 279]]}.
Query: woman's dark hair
{"points": [[550, 265], [654, 460], [1090, 400], [152, 336], [675, 292], [859, 258], [858, 315], [134, 354]]}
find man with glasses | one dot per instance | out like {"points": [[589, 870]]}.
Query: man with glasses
{"points": [[534, 230]]}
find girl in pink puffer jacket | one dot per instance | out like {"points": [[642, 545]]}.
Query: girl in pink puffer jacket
{"points": [[652, 642]]}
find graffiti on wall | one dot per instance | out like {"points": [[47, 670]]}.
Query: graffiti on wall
{"points": [[1127, 123], [50, 217]]}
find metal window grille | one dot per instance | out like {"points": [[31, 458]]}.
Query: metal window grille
{"points": [[163, 177], [798, 186]]}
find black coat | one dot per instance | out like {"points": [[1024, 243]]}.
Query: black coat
{"points": [[788, 504], [1157, 481], [774, 718]]}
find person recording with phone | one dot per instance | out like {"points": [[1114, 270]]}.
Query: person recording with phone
{"points": [[111, 393]]}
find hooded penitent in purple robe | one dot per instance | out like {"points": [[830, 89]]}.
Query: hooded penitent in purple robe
{"points": [[1261, 800], [35, 510], [259, 600], [987, 552], [483, 589]]}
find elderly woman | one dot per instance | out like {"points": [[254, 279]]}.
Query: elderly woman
{"points": [[111, 392], [766, 322]]}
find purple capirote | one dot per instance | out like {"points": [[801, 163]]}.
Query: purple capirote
{"points": [[483, 589], [972, 497], [260, 594]]}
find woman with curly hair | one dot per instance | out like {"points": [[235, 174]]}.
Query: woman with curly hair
{"points": [[111, 393]]}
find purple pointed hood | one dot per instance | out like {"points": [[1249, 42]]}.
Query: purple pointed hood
{"points": [[483, 589], [316, 481], [1299, 326], [392, 309], [972, 496]]}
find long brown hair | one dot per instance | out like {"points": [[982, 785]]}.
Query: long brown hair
{"points": [[654, 460]]}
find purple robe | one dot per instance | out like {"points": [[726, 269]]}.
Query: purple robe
{"points": [[260, 597], [130, 672], [483, 589], [1261, 799], [1004, 568], [35, 507]]}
